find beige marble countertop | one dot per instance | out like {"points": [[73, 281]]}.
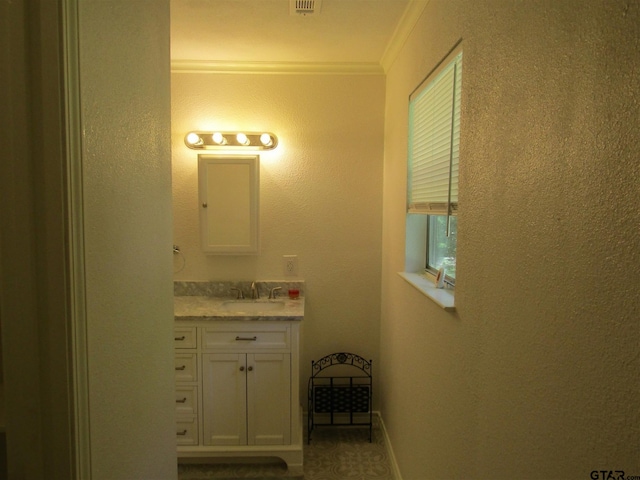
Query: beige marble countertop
{"points": [[204, 308]]}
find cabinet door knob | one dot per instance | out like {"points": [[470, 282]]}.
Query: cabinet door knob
{"points": [[182, 433], [250, 369], [242, 369], [179, 339], [181, 400], [181, 367]]}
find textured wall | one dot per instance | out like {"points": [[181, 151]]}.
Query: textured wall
{"points": [[124, 67], [319, 194], [536, 376]]}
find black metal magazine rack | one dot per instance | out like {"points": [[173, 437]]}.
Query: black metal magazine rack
{"points": [[340, 392]]}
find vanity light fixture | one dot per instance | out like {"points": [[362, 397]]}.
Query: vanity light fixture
{"points": [[199, 140]]}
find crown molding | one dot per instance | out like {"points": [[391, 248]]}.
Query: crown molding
{"points": [[398, 39], [275, 68], [403, 30]]}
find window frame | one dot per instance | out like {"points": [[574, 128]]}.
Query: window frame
{"points": [[417, 229]]}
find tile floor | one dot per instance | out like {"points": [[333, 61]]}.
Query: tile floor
{"points": [[335, 453]]}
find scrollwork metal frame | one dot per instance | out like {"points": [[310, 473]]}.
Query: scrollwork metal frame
{"points": [[353, 385], [341, 358]]}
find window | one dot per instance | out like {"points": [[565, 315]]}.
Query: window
{"points": [[434, 146], [441, 248]]}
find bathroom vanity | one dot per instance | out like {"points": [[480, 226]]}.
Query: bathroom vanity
{"points": [[237, 370]]}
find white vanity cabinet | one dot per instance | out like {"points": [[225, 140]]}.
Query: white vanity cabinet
{"points": [[246, 398], [237, 390]]}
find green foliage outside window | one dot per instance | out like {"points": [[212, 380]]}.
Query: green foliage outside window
{"points": [[442, 248]]}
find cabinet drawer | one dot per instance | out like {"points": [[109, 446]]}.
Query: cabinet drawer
{"points": [[186, 400], [187, 430], [186, 367], [228, 338], [184, 337]]}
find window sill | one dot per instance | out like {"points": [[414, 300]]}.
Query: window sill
{"points": [[443, 297]]}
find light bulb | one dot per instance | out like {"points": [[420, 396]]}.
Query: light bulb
{"points": [[266, 140], [194, 139], [219, 139], [242, 139]]}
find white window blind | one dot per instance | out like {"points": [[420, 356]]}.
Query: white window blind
{"points": [[434, 142]]}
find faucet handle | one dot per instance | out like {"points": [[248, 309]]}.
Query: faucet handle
{"points": [[240, 295], [273, 293]]}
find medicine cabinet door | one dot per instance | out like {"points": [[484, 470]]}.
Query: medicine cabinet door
{"points": [[229, 203]]}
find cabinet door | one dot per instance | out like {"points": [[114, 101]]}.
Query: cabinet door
{"points": [[224, 387], [269, 398], [229, 198]]}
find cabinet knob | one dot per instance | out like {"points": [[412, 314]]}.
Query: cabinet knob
{"points": [[242, 369], [182, 433], [250, 369], [181, 400], [181, 367], [179, 339], [204, 205]]}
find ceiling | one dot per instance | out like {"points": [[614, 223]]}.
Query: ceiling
{"points": [[264, 32]]}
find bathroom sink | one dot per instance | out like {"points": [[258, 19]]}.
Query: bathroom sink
{"points": [[250, 306]]}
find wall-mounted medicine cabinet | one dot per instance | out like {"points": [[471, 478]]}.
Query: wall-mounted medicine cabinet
{"points": [[229, 203]]}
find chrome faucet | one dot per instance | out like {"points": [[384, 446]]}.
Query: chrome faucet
{"points": [[255, 293], [240, 295], [273, 293]]}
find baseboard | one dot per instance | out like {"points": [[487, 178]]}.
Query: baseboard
{"points": [[392, 458]]}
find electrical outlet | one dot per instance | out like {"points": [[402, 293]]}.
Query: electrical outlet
{"points": [[290, 265]]}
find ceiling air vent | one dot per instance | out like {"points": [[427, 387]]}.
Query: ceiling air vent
{"points": [[304, 7]]}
